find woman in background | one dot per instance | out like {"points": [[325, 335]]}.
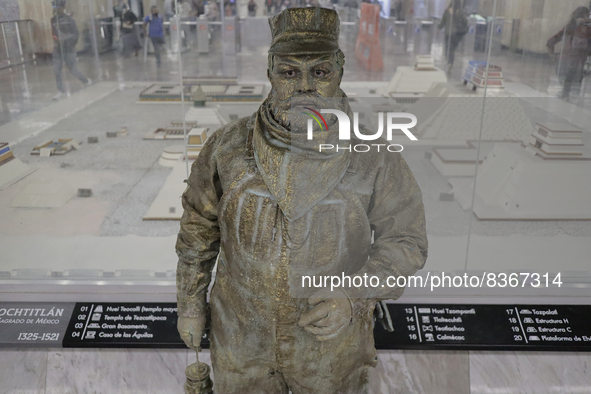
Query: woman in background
{"points": [[131, 42], [576, 40], [455, 23], [252, 8]]}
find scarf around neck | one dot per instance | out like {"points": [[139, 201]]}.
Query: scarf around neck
{"points": [[296, 173]]}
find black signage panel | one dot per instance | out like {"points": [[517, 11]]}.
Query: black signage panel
{"points": [[488, 327], [33, 324], [126, 325], [416, 326]]}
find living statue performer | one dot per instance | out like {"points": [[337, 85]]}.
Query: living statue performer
{"points": [[269, 207]]}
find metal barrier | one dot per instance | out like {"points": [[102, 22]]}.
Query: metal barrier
{"points": [[497, 24], [467, 45], [230, 35], [17, 45], [202, 36], [423, 32], [401, 37]]}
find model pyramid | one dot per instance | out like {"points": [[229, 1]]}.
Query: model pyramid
{"points": [[460, 118], [557, 140]]}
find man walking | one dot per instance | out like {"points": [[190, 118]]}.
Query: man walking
{"points": [[65, 37], [155, 31]]}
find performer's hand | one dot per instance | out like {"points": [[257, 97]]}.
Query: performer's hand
{"points": [[330, 315], [191, 330]]}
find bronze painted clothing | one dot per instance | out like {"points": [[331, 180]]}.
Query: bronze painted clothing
{"points": [[230, 210]]}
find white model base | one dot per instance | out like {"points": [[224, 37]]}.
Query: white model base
{"points": [[458, 118], [462, 161], [410, 81], [456, 161], [13, 171], [43, 195], [167, 204], [512, 184], [448, 89], [170, 155], [205, 117]]}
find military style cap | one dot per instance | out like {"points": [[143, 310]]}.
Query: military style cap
{"points": [[301, 31]]}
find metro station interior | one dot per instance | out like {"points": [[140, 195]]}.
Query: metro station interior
{"points": [[91, 177]]}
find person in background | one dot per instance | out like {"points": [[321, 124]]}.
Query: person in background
{"points": [[131, 42], [65, 37], [213, 11], [228, 11], [576, 47], [199, 7], [270, 4], [286, 4], [118, 9], [231, 8], [252, 8], [168, 13], [168, 10], [155, 31], [455, 23], [185, 10]]}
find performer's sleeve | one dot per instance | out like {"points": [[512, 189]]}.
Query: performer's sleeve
{"points": [[555, 39], [397, 216], [198, 241]]}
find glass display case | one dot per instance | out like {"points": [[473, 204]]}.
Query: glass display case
{"points": [[98, 138]]}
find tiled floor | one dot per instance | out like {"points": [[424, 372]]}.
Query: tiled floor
{"points": [[117, 371]]}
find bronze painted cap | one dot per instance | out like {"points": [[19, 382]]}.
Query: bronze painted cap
{"points": [[302, 31]]}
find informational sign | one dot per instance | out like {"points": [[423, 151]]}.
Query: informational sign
{"points": [[123, 325], [416, 326], [34, 324], [488, 327]]}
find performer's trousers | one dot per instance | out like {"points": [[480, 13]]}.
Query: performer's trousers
{"points": [[261, 379]]}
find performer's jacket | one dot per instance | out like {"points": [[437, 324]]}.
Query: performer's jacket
{"points": [[276, 211]]}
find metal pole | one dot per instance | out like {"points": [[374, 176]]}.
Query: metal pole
{"points": [[560, 58], [146, 40], [488, 56], [178, 40], [6, 45], [20, 45], [60, 41], [451, 21], [33, 47], [94, 43]]}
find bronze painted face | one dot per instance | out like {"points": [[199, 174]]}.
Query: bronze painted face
{"points": [[299, 82]]}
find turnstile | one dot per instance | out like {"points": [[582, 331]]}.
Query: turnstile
{"points": [[202, 36], [496, 25]]}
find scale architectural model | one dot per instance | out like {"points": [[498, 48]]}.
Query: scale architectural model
{"points": [[410, 83], [540, 180], [56, 147], [171, 92], [12, 169]]}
